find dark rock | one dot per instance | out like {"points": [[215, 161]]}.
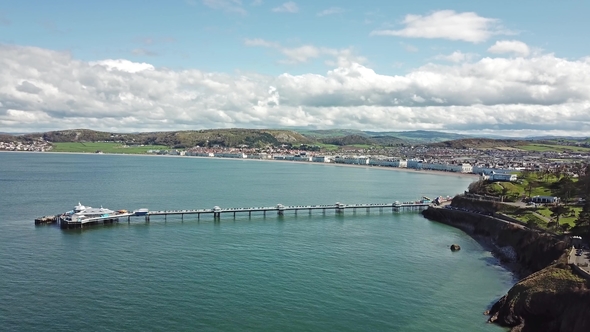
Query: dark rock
{"points": [[455, 247]]}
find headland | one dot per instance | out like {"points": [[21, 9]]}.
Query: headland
{"points": [[552, 295]]}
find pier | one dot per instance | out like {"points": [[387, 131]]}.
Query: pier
{"points": [[216, 212]]}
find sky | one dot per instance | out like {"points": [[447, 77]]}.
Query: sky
{"points": [[512, 68]]}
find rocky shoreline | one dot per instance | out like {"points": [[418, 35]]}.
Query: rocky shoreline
{"points": [[549, 296]]}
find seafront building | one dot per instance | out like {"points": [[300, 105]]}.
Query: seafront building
{"points": [[493, 164], [440, 163]]}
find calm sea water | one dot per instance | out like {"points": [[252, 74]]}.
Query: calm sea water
{"points": [[357, 272]]}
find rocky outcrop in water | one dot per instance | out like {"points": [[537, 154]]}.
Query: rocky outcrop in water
{"points": [[455, 247]]}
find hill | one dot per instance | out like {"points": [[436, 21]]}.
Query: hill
{"points": [[480, 143], [418, 136], [180, 139], [329, 133], [348, 140]]}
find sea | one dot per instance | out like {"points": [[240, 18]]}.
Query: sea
{"points": [[375, 271]]}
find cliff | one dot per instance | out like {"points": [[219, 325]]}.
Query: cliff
{"points": [[531, 250], [552, 300], [552, 297]]}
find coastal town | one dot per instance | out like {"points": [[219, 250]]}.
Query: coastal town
{"points": [[424, 157], [418, 157], [38, 145]]}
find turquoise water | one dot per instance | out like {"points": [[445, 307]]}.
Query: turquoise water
{"points": [[357, 272]]}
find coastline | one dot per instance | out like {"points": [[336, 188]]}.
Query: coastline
{"points": [[546, 294], [396, 169]]}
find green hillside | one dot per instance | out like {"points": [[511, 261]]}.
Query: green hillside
{"points": [[181, 139]]}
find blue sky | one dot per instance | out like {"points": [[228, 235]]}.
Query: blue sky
{"points": [[471, 66]]}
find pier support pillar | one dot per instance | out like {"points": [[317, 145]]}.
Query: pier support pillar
{"points": [[281, 212]]}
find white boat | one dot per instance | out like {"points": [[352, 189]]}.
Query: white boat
{"points": [[81, 212]]}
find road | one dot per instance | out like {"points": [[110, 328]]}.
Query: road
{"points": [[582, 261]]}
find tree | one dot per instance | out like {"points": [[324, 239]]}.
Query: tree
{"points": [[559, 210], [531, 184], [583, 184], [545, 173], [565, 188], [584, 216], [477, 187], [565, 227], [504, 192]]}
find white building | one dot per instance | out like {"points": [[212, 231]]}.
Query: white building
{"points": [[502, 177], [231, 155], [352, 160], [302, 158], [466, 168], [262, 155], [322, 159], [415, 164], [545, 199]]}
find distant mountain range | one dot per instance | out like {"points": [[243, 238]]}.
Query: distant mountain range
{"points": [[425, 136], [263, 137]]}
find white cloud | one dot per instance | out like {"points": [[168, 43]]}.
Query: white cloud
{"points": [[260, 42], [42, 90], [287, 7], [447, 24], [304, 53], [510, 46], [330, 11], [123, 65], [230, 6], [456, 57]]}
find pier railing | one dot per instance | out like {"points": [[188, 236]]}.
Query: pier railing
{"points": [[280, 209], [216, 212]]}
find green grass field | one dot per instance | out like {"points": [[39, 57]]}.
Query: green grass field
{"points": [[106, 147], [327, 147], [553, 147]]}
